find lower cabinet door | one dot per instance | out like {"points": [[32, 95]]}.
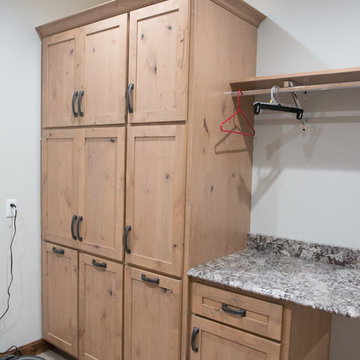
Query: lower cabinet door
{"points": [[210, 340], [152, 316], [60, 297], [100, 313]]}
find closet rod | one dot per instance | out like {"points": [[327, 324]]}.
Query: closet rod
{"points": [[302, 88]]}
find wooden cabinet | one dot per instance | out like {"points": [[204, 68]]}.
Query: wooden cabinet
{"points": [[231, 325], [60, 184], [83, 189], [214, 341], [152, 316], [102, 191], [260, 317], [155, 197], [60, 76], [84, 75], [158, 62], [100, 311], [59, 297], [187, 184], [88, 289]]}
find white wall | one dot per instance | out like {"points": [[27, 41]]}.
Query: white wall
{"points": [[306, 187], [20, 63]]}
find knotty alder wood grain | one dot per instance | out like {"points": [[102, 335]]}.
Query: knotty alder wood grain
{"points": [[155, 197], [104, 72], [216, 341], [60, 183], [92, 59], [60, 77], [158, 62], [101, 195], [96, 13], [219, 167], [60, 297], [305, 78], [262, 317], [152, 317], [100, 310]]}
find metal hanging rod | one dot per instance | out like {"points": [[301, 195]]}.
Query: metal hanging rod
{"points": [[302, 88]]}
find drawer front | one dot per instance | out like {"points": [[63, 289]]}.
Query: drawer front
{"points": [[244, 312], [213, 341]]}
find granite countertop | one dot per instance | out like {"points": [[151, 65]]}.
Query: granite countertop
{"points": [[322, 277]]}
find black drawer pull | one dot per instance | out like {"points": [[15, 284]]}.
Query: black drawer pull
{"points": [[58, 251], [150, 280], [128, 94], [126, 233], [78, 228], [100, 265], [81, 94], [76, 93], [240, 312], [74, 218], [195, 332]]}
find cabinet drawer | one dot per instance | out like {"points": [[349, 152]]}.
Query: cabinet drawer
{"points": [[213, 341], [259, 317]]}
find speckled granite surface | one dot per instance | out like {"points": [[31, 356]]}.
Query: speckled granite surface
{"points": [[313, 283], [309, 251]]}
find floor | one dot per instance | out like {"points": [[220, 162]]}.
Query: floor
{"points": [[52, 355]]}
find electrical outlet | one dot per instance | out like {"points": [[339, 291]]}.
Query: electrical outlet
{"points": [[10, 211]]}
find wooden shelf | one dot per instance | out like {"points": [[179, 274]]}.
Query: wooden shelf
{"points": [[318, 80]]}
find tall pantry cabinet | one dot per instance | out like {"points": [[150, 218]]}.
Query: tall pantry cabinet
{"points": [[138, 183]]}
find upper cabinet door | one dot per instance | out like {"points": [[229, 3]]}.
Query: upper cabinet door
{"points": [[60, 78], [104, 75], [158, 62], [60, 185], [102, 193], [155, 197]]}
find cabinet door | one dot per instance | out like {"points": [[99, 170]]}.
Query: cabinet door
{"points": [[60, 297], [100, 313], [213, 341], [158, 62], [60, 185], [104, 73], [102, 192], [155, 197], [60, 77], [152, 316]]}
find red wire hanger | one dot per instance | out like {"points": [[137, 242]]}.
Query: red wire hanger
{"points": [[244, 116]]}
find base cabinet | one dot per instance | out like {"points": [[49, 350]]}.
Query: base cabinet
{"points": [[100, 310], [152, 316], [60, 298], [213, 341], [82, 303], [240, 326]]}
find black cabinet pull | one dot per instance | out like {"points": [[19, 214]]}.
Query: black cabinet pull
{"points": [[74, 218], [81, 94], [100, 265], [58, 251], [128, 94], [150, 280], [126, 232], [73, 104], [240, 312], [195, 332], [78, 228]]}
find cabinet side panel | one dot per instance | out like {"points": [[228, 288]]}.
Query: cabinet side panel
{"points": [[223, 47]]}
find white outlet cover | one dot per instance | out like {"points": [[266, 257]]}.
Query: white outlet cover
{"points": [[10, 212]]}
